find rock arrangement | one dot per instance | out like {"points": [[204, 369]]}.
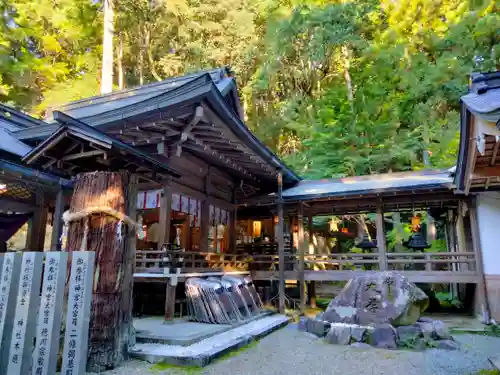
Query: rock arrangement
{"points": [[380, 309]]}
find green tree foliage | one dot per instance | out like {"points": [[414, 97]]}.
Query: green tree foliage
{"points": [[336, 88], [47, 45]]}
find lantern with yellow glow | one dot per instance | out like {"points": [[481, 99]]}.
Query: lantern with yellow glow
{"points": [[415, 223]]}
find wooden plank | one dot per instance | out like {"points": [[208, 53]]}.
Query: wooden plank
{"points": [[85, 154], [381, 246]]}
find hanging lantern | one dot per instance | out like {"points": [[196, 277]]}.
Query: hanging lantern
{"points": [[366, 243], [417, 241], [415, 223], [276, 220], [345, 230]]}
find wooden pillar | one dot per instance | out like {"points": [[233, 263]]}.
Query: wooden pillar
{"points": [[171, 290], [482, 296], [165, 215], [302, 245], [281, 245], [57, 223], [204, 223], [381, 237], [36, 236], [128, 332], [461, 242], [311, 288], [233, 217]]}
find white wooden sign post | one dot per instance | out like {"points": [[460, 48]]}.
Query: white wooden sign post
{"points": [[9, 282], [49, 317], [78, 314], [28, 300]]}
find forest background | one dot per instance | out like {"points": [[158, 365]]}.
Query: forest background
{"points": [[336, 88]]}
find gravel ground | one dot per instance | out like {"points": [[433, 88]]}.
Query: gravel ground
{"points": [[289, 351]]}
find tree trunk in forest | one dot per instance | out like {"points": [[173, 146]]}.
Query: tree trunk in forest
{"points": [[107, 48], [119, 62], [114, 244], [141, 66], [147, 46]]}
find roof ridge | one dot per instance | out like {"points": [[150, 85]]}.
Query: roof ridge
{"points": [[117, 94]]}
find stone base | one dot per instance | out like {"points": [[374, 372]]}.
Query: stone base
{"points": [[425, 333], [205, 351]]}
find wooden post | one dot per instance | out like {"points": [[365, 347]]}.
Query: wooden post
{"points": [[381, 237], [165, 215], [57, 223], [302, 244], [204, 223], [233, 215], [36, 239], [476, 243], [461, 243], [281, 245], [171, 289], [128, 332], [311, 289]]}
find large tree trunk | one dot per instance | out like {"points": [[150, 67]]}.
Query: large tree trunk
{"points": [[107, 48], [111, 315]]}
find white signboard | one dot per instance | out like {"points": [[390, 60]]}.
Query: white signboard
{"points": [[28, 299], [78, 314], [9, 283], [49, 317]]}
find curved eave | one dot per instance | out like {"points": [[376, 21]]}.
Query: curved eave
{"points": [[44, 178], [367, 192], [216, 100]]}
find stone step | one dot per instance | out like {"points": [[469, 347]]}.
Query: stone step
{"points": [[205, 351], [182, 331]]}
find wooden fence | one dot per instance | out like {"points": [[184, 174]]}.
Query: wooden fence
{"points": [[32, 300], [153, 261]]}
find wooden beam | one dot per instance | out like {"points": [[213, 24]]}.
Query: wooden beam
{"points": [[437, 277], [85, 154], [381, 236], [471, 166], [302, 245], [57, 223], [281, 245]]}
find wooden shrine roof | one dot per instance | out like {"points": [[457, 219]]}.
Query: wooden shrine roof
{"points": [[76, 147], [197, 115], [477, 167], [398, 191]]}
